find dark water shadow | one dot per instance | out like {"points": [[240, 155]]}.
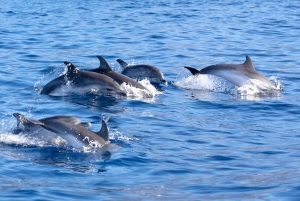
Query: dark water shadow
{"points": [[102, 103], [77, 160]]}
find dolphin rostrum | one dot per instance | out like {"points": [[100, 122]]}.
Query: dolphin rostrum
{"points": [[105, 69], [69, 128], [142, 71], [84, 82], [237, 74]]}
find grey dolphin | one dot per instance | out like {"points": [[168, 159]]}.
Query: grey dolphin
{"points": [[69, 129], [84, 82], [105, 69], [142, 71], [36, 131], [237, 74]]}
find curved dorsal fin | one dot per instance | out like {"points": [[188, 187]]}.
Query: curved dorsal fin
{"points": [[122, 63], [103, 64], [248, 63], [192, 70], [104, 131]]}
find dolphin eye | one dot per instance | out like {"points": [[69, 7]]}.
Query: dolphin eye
{"points": [[109, 89]]}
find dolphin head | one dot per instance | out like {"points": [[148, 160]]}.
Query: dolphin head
{"points": [[24, 124], [122, 63], [72, 70]]}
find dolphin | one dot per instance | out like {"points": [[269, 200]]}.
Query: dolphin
{"points": [[36, 131], [237, 74], [142, 71], [69, 128], [105, 69], [84, 82]]}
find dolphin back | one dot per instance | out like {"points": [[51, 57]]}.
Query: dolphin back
{"points": [[69, 119], [53, 85], [142, 71]]}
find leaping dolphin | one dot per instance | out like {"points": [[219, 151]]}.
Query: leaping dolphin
{"points": [[105, 69], [142, 71], [36, 131], [69, 129], [84, 82], [237, 74]]}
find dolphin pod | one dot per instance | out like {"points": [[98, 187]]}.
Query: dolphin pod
{"points": [[103, 80], [142, 71], [71, 129], [237, 74]]}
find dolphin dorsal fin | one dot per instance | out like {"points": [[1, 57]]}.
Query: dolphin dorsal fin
{"points": [[248, 63], [103, 64], [104, 131], [192, 70], [122, 63]]}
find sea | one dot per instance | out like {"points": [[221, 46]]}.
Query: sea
{"points": [[196, 138]]}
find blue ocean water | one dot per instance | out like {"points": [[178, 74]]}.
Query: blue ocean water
{"points": [[195, 139]]}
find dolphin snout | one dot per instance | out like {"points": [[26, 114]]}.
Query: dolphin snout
{"points": [[67, 63], [16, 115]]}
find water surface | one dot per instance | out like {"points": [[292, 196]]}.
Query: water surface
{"points": [[195, 139]]}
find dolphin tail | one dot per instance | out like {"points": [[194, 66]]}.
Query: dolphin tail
{"points": [[122, 63], [22, 120], [103, 64], [193, 70], [104, 131]]}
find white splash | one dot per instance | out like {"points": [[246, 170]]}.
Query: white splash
{"points": [[9, 138], [147, 94], [117, 135], [255, 89], [205, 83]]}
